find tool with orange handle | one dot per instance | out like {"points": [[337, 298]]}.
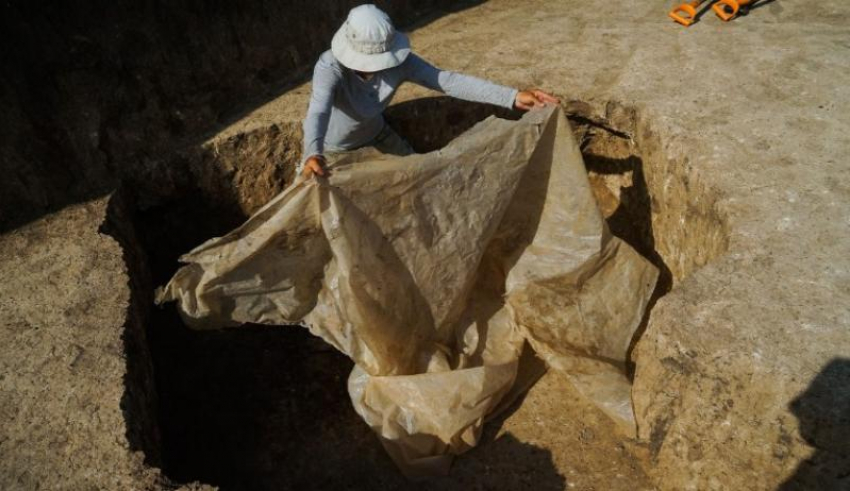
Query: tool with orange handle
{"points": [[686, 13], [728, 9]]}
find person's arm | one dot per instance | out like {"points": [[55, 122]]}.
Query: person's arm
{"points": [[458, 85], [471, 88], [326, 77]]}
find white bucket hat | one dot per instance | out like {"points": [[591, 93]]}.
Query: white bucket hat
{"points": [[368, 42]]}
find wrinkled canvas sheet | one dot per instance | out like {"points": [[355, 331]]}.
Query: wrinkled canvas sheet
{"points": [[432, 272]]}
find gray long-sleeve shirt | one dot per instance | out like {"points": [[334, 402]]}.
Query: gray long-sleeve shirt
{"points": [[346, 112]]}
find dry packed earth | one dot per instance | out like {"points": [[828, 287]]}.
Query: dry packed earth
{"points": [[718, 151]]}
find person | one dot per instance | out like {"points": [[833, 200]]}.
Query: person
{"points": [[356, 79]]}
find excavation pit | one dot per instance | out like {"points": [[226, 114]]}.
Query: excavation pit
{"points": [[262, 407]]}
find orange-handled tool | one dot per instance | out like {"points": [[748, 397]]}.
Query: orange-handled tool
{"points": [[728, 9], [686, 13]]}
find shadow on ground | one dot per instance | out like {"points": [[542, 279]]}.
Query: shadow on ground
{"points": [[823, 411], [266, 408]]}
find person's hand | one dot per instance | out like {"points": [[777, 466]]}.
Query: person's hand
{"points": [[314, 165], [529, 99]]}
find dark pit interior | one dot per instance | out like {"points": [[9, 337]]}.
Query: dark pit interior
{"points": [[261, 407]]}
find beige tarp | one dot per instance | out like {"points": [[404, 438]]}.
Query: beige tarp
{"points": [[432, 272]]}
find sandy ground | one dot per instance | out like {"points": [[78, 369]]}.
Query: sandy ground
{"points": [[743, 372]]}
